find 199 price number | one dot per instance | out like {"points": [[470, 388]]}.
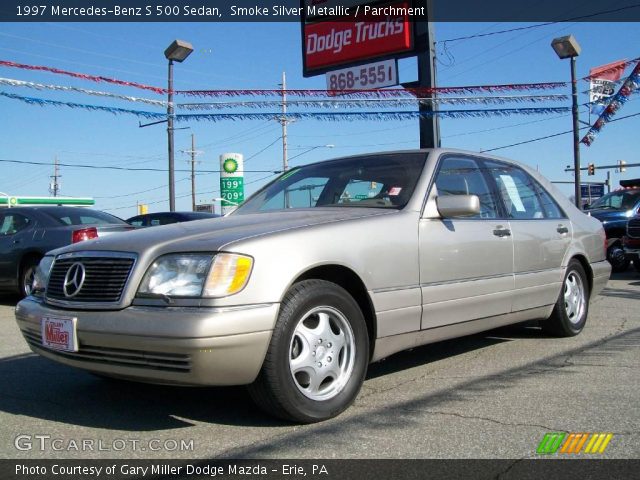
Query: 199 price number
{"points": [[375, 75]]}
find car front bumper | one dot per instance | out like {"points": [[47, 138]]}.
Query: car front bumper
{"points": [[172, 345]]}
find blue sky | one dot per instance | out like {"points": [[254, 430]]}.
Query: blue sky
{"points": [[237, 55]]}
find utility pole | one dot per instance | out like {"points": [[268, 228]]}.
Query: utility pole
{"points": [[193, 172], [193, 152], [429, 122], [54, 187], [284, 122]]}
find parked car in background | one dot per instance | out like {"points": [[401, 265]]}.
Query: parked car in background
{"points": [[166, 218], [614, 210], [27, 233], [329, 267], [631, 242]]}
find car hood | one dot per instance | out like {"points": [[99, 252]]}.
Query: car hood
{"points": [[216, 233], [607, 214]]}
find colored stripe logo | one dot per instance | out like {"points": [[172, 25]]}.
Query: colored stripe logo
{"points": [[573, 443]]}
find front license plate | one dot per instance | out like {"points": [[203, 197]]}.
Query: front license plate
{"points": [[59, 333]]}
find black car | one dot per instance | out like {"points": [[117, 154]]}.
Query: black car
{"points": [[614, 211], [27, 233], [165, 218]]}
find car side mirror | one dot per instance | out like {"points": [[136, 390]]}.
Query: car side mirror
{"points": [[458, 205]]}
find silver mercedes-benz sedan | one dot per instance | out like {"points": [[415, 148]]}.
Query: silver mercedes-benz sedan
{"points": [[329, 267]]}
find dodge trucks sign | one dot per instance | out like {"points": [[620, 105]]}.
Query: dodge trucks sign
{"points": [[382, 32]]}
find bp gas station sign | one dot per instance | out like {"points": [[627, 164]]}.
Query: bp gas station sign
{"points": [[231, 181]]}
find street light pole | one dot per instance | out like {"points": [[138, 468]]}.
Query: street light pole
{"points": [[177, 51], [576, 134], [568, 47], [172, 185]]}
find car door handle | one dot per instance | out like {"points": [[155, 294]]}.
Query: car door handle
{"points": [[562, 229], [500, 231], [15, 242]]}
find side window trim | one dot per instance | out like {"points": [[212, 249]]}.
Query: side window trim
{"points": [[490, 184]]}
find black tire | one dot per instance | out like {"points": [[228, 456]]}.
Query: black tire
{"points": [[636, 264], [567, 319], [281, 393], [27, 272], [617, 258]]}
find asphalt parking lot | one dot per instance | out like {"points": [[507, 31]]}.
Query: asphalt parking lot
{"points": [[492, 395]]}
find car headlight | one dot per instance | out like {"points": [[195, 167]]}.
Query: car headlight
{"points": [[41, 277], [195, 275]]}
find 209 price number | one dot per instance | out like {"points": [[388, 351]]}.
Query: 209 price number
{"points": [[366, 77]]}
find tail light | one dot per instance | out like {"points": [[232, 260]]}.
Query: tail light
{"points": [[84, 234]]}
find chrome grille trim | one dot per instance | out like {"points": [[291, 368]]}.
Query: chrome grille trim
{"points": [[168, 362], [107, 277]]}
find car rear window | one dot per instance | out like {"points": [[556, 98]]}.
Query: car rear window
{"points": [[83, 217]]}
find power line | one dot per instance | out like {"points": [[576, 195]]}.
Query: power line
{"points": [[538, 25], [554, 135], [96, 167], [265, 148]]}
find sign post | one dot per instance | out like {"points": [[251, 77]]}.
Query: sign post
{"points": [[231, 181]]}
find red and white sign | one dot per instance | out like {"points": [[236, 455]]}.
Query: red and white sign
{"points": [[59, 333], [336, 43]]}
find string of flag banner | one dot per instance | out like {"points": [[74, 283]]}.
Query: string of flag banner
{"points": [[323, 103], [374, 99], [631, 84], [328, 116], [39, 86], [387, 93], [83, 76]]}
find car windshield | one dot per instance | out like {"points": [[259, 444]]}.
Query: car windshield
{"points": [[377, 181], [80, 216], [621, 200]]}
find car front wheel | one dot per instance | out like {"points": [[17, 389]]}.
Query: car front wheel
{"points": [[570, 312], [318, 355], [617, 258], [27, 273]]}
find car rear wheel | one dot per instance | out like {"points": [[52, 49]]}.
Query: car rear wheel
{"points": [[27, 272], [617, 258], [636, 264], [318, 355], [570, 312]]}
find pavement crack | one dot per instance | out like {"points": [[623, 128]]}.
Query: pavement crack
{"points": [[493, 420], [506, 471]]}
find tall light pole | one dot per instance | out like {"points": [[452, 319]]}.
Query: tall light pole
{"points": [[177, 51], [568, 47]]}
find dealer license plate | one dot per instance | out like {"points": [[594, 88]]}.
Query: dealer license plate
{"points": [[59, 333]]}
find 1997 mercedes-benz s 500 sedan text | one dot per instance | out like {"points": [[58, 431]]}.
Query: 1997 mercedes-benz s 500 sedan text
{"points": [[329, 267]]}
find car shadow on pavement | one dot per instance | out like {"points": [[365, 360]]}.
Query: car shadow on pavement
{"points": [[370, 419], [38, 388]]}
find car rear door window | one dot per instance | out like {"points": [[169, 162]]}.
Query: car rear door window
{"points": [[463, 176], [12, 223], [551, 207], [518, 191]]}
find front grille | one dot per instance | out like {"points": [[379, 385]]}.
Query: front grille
{"points": [[168, 362], [105, 279], [633, 228]]}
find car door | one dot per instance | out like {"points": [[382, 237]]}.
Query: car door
{"points": [[466, 263], [541, 235], [15, 233]]}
